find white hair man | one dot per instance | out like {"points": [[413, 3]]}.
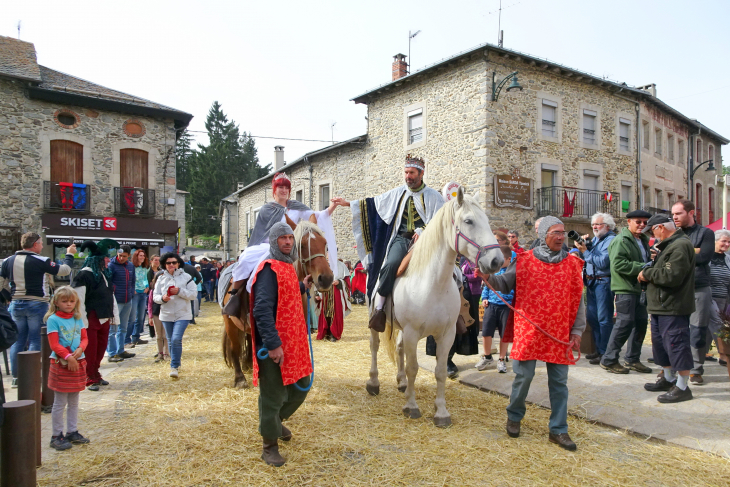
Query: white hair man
{"points": [[670, 296], [599, 312]]}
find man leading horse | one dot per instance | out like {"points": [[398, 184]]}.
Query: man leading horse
{"points": [[385, 226]]}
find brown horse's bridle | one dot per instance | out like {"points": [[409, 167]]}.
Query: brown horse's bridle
{"points": [[311, 257]]}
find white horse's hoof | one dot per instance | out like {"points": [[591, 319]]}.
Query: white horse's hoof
{"points": [[412, 413], [442, 422], [402, 388], [372, 390]]}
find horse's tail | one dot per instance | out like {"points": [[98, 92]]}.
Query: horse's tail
{"points": [[245, 356], [389, 339]]}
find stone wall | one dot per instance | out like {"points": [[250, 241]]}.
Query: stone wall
{"points": [[26, 128]]}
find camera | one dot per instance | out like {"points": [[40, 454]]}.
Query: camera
{"points": [[573, 235]]}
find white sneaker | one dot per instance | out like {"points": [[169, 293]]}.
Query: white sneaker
{"points": [[173, 373], [483, 363], [501, 367]]}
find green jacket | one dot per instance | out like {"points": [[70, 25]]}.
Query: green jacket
{"points": [[671, 289], [626, 262]]}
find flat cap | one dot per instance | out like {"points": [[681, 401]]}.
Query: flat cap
{"points": [[638, 214], [657, 220]]}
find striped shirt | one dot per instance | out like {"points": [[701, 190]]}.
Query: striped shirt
{"points": [[719, 276], [27, 273]]}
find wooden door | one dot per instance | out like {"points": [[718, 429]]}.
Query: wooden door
{"points": [[133, 168], [67, 162]]}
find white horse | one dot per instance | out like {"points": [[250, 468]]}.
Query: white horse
{"points": [[425, 299]]}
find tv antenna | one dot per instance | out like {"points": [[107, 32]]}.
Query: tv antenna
{"points": [[19, 29], [332, 129], [410, 36], [500, 34]]}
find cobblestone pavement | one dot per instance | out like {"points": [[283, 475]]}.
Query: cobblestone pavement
{"points": [[621, 401]]}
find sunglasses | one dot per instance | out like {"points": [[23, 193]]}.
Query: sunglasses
{"points": [[172, 263]]}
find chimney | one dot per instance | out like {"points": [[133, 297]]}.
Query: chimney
{"points": [[278, 157], [400, 66], [650, 88], [240, 186]]}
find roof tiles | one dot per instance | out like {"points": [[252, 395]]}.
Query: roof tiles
{"points": [[18, 59]]}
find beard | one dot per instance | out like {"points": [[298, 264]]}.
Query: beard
{"points": [[600, 233]]}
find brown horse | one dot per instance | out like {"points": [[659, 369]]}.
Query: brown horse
{"points": [[236, 340]]}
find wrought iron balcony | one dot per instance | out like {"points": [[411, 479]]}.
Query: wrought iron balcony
{"points": [[60, 196], [565, 202], [134, 201]]}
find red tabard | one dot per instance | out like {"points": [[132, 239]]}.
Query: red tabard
{"points": [[548, 294], [289, 323]]}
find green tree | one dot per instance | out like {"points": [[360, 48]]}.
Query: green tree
{"points": [[214, 169], [183, 153]]}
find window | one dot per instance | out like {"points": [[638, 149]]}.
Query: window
{"points": [[133, 168], [658, 139], [415, 126], [659, 199], [645, 135], [626, 196], [710, 153], [299, 196], [647, 197], [548, 178], [698, 154], [589, 127], [670, 199], [548, 118], [670, 148], [67, 162], [324, 196], [591, 201], [711, 203], [623, 132], [680, 152], [698, 203]]}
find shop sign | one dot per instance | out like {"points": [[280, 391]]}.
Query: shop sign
{"points": [[512, 191], [131, 242], [105, 223]]}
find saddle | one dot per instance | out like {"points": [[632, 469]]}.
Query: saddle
{"points": [[463, 311]]}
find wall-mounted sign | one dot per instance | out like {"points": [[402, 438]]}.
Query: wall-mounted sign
{"points": [[512, 191], [105, 223]]}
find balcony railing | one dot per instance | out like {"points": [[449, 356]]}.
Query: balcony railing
{"points": [[134, 201], [60, 196], [565, 202]]}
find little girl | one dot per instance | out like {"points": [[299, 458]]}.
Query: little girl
{"points": [[67, 377]]}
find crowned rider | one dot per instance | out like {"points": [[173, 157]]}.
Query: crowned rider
{"points": [[384, 227], [280, 210]]}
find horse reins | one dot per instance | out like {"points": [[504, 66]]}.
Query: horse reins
{"points": [[568, 352]]}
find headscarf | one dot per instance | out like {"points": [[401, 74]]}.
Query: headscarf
{"points": [[542, 251], [277, 230]]}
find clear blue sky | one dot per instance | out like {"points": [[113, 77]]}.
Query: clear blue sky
{"points": [[289, 69]]}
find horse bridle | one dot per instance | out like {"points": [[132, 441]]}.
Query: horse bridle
{"points": [[311, 257], [480, 248]]}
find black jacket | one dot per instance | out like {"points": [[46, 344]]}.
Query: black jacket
{"points": [[671, 289], [99, 294], [193, 272], [704, 239]]}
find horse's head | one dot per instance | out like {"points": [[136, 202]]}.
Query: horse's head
{"points": [[473, 238], [312, 247]]}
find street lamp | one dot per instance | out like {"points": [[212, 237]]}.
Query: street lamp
{"points": [[496, 89], [711, 167]]}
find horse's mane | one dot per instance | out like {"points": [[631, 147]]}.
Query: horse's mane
{"points": [[305, 227], [439, 227]]}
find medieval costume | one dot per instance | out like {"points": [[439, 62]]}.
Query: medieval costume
{"points": [[548, 289], [384, 226], [98, 306], [277, 323], [359, 279], [269, 215], [334, 306]]}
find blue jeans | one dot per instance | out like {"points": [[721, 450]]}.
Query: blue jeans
{"points": [[599, 312], [136, 317], [28, 316], [557, 386], [119, 331], [174, 331], [209, 285]]}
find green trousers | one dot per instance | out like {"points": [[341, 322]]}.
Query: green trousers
{"points": [[276, 401]]}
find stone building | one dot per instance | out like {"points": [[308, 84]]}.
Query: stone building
{"points": [[82, 161], [567, 138]]}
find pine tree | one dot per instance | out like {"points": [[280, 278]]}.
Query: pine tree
{"points": [[215, 169], [183, 154]]}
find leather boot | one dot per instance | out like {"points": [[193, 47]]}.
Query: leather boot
{"points": [[271, 453], [377, 322], [285, 433]]}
